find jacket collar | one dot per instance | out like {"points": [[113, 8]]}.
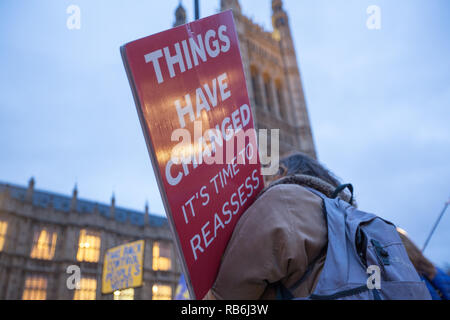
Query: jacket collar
{"points": [[312, 182]]}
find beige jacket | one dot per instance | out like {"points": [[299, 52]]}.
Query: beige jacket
{"points": [[276, 239]]}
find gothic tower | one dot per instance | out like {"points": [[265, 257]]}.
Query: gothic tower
{"points": [[180, 15], [299, 111], [272, 75], [231, 4]]}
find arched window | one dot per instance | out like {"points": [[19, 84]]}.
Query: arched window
{"points": [[44, 244], [89, 246], [255, 86], [161, 292], [3, 229], [280, 99], [125, 294], [161, 256], [87, 291], [268, 92], [35, 288]]}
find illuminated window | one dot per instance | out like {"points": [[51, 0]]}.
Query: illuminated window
{"points": [[44, 244], [126, 294], [161, 256], [35, 288], [3, 229], [161, 292], [87, 291], [88, 246]]}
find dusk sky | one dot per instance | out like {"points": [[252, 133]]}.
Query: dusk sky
{"points": [[378, 100]]}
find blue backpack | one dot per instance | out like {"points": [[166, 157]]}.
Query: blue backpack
{"points": [[365, 258]]}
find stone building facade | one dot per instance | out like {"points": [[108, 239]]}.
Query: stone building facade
{"points": [[273, 77], [42, 234]]}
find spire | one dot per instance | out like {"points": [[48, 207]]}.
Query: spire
{"points": [[230, 4], [30, 190], [146, 214], [297, 111], [113, 205], [180, 15], [279, 16], [277, 5], [73, 205]]}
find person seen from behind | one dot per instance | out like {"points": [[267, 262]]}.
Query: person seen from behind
{"points": [[278, 237], [278, 248], [437, 281]]}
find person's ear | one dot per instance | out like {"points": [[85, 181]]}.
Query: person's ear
{"points": [[282, 171]]}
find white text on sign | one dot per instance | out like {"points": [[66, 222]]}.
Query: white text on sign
{"points": [[207, 45]]}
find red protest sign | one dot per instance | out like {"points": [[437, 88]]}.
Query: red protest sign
{"points": [[191, 96]]}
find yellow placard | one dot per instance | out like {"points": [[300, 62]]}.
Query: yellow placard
{"points": [[123, 267]]}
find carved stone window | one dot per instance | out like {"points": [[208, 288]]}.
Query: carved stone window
{"points": [[268, 92], [255, 85], [35, 288], [87, 291], [44, 244], [89, 246], [280, 99]]}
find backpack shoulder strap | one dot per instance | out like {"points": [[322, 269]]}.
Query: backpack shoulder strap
{"points": [[341, 188]]}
